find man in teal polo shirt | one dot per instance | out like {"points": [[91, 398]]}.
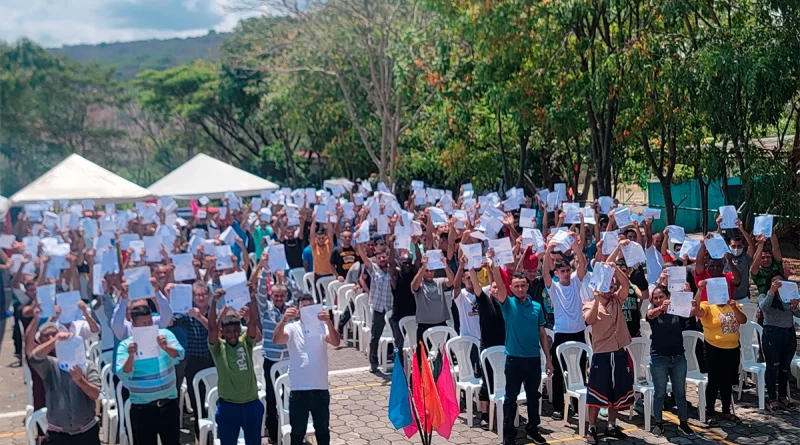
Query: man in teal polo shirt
{"points": [[524, 333]]}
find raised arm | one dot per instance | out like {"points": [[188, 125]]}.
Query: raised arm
{"points": [[737, 274], [624, 283], [497, 278], [580, 256], [253, 330], [547, 265], [700, 263], [462, 263], [776, 247], [751, 247], [760, 241], [417, 281], [697, 310], [280, 337], [213, 326]]}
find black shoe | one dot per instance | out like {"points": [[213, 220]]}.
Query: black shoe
{"points": [[658, 429], [373, 369], [615, 432], [557, 415], [685, 429], [537, 438], [591, 436], [507, 441]]}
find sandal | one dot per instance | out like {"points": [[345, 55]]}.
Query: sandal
{"points": [[788, 404], [732, 418], [775, 406]]}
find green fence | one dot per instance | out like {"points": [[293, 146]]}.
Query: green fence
{"points": [[686, 197]]}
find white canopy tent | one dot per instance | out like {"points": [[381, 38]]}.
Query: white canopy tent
{"points": [[205, 176], [77, 178]]}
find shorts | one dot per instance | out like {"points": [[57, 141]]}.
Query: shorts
{"points": [[610, 381]]}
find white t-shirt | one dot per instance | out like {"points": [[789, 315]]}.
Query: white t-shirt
{"points": [[655, 264], [308, 358], [469, 320], [568, 305], [78, 328]]}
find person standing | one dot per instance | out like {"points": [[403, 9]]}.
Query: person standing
{"points": [[343, 256], [524, 334], [610, 377], [742, 258], [151, 382], [238, 406], [308, 370], [667, 359], [275, 297], [70, 397], [721, 330], [380, 299], [780, 343], [429, 292]]}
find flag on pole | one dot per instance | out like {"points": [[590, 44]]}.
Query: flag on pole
{"points": [[399, 406], [416, 392], [447, 395], [430, 397]]}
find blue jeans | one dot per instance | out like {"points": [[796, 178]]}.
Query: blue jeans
{"points": [[317, 402], [231, 417], [519, 371], [674, 369]]}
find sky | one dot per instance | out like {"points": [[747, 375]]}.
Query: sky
{"points": [[53, 23]]}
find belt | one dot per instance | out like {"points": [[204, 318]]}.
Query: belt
{"points": [[159, 403]]}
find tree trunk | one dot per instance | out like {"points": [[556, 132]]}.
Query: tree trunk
{"points": [[502, 149], [794, 157], [524, 137]]}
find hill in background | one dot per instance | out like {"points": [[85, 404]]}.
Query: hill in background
{"points": [[130, 58]]}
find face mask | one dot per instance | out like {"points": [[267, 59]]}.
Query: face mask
{"points": [[737, 252]]}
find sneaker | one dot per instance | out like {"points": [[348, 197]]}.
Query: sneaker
{"points": [[373, 369], [591, 436], [685, 429], [537, 438], [615, 432], [658, 429], [604, 413], [639, 406], [557, 415]]}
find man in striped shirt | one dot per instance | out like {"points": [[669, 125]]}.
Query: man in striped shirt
{"points": [[151, 382], [275, 298]]}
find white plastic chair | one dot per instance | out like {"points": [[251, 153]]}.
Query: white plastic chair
{"points": [[644, 327], [570, 353], [466, 381], [587, 335], [341, 302], [119, 428], [321, 295], [639, 351], [349, 296], [93, 351], [308, 285], [296, 275], [693, 374], [282, 391], [494, 358], [333, 293], [750, 309], [547, 379], [436, 337], [37, 419], [108, 411], [104, 359], [208, 378], [749, 360], [278, 369], [408, 327], [384, 342], [209, 427], [364, 321]]}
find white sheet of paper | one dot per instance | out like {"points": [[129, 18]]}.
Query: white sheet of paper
{"points": [[362, 235], [633, 253], [223, 212], [204, 200], [535, 237], [309, 315], [383, 225], [438, 217], [563, 241], [606, 204], [479, 236], [610, 241], [602, 275], [503, 253], [184, 269], [71, 353], [97, 279], [622, 216], [321, 215], [180, 298], [7, 241], [416, 228], [110, 261], [139, 286], [690, 247], [561, 190], [651, 212], [474, 254], [788, 291], [676, 278], [680, 303], [277, 257], [68, 302], [146, 339], [435, 259], [152, 247], [137, 247], [46, 296], [676, 234], [228, 236], [729, 217], [527, 217], [588, 215], [223, 254], [237, 295], [763, 225], [126, 238], [571, 213], [402, 241], [716, 247], [717, 290]]}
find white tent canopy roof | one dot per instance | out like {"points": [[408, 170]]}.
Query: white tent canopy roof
{"points": [[205, 176], [77, 178]]}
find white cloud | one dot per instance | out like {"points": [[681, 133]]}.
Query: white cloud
{"points": [[69, 22]]}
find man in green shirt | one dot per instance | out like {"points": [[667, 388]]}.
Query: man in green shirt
{"points": [[262, 229], [239, 407]]}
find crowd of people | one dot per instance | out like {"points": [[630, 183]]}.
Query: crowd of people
{"points": [[169, 297]]}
